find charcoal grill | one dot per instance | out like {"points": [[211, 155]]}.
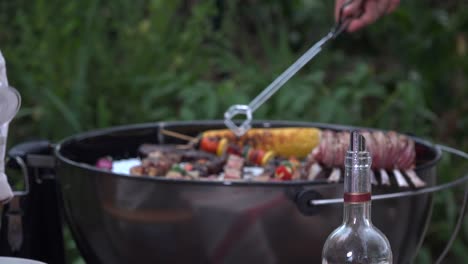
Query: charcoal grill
{"points": [[121, 219]]}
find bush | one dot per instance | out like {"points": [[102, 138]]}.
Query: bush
{"points": [[89, 64]]}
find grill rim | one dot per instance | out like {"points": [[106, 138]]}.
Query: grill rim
{"points": [[219, 123]]}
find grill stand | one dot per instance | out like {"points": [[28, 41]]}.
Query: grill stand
{"points": [[32, 226]]}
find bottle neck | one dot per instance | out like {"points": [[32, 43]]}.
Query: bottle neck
{"points": [[357, 213], [357, 188], [357, 173]]}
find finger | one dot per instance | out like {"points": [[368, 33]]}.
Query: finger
{"points": [[392, 6], [382, 7], [351, 9], [371, 13], [338, 5]]}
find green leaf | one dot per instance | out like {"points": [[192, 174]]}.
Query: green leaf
{"points": [[69, 115]]}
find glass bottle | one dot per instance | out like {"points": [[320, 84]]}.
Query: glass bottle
{"points": [[357, 240]]}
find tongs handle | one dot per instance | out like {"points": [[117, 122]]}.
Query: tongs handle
{"points": [[247, 110]]}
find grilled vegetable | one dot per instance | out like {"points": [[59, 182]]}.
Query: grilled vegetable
{"points": [[288, 170], [257, 156], [285, 142]]}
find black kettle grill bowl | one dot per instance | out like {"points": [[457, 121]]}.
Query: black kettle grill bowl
{"points": [[123, 219]]}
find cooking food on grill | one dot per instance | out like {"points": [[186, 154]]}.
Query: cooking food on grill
{"points": [[390, 152], [169, 161], [234, 167], [288, 141], [277, 154]]}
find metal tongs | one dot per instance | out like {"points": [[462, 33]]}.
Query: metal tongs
{"points": [[247, 110]]}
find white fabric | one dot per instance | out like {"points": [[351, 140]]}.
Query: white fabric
{"points": [[12, 260], [5, 190]]}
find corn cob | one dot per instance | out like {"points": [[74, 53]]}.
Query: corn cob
{"points": [[286, 142]]}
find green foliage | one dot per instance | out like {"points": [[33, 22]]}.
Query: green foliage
{"points": [[81, 65]]}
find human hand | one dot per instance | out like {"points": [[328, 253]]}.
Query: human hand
{"points": [[371, 11]]}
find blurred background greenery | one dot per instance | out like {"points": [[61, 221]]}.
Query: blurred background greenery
{"points": [[87, 64]]}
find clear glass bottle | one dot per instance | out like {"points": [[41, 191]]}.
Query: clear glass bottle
{"points": [[357, 240]]}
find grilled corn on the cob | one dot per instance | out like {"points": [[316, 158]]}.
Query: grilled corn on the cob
{"points": [[286, 142]]}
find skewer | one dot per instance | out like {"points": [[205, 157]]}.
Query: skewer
{"points": [[177, 135], [184, 147], [192, 141]]}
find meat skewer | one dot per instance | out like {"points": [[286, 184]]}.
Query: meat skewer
{"points": [[380, 148], [390, 151]]}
